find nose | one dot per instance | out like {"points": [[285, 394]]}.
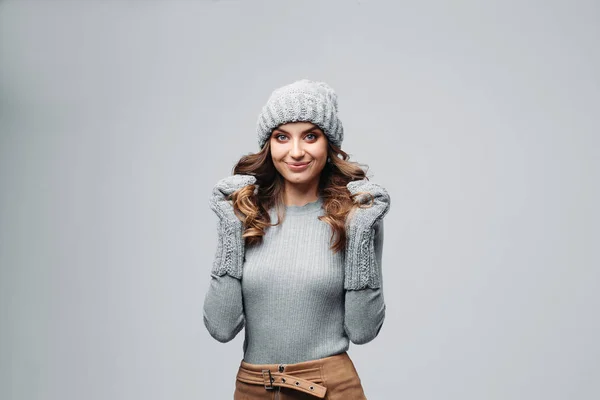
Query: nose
{"points": [[297, 151]]}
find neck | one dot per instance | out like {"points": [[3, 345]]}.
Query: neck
{"points": [[299, 194]]}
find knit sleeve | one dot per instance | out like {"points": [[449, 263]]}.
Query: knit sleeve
{"points": [[365, 308], [230, 249], [223, 308]]}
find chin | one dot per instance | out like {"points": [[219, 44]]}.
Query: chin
{"points": [[300, 179]]}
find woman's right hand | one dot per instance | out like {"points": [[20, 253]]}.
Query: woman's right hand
{"points": [[229, 257], [219, 202]]}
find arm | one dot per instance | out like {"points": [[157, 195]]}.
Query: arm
{"points": [[223, 304], [364, 301], [365, 308], [223, 308]]}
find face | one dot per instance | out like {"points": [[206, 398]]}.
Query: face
{"points": [[299, 143]]}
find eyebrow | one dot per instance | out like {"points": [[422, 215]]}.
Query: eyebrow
{"points": [[307, 130]]}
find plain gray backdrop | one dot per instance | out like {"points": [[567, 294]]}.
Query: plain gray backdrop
{"points": [[480, 118]]}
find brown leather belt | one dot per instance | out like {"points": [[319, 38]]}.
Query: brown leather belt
{"points": [[302, 380]]}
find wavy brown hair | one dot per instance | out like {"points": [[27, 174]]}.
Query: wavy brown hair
{"points": [[252, 209]]}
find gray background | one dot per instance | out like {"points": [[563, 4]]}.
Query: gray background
{"points": [[481, 119]]}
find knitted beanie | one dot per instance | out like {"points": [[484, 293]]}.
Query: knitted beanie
{"points": [[303, 100]]}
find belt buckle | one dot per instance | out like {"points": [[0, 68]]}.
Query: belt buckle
{"points": [[270, 385]]}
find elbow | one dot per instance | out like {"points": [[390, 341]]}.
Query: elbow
{"points": [[223, 333], [362, 334]]}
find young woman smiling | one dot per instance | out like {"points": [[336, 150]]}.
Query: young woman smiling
{"points": [[298, 261]]}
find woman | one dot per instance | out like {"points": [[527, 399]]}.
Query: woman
{"points": [[298, 262]]}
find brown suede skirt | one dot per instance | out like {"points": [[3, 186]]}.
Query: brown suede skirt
{"points": [[329, 378]]}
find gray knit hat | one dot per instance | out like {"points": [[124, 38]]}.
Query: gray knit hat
{"points": [[303, 100]]}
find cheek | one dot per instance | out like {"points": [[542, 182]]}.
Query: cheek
{"points": [[323, 154], [275, 152]]}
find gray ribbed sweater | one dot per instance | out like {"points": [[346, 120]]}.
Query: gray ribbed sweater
{"points": [[291, 298]]}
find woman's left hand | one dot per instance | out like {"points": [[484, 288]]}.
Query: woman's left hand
{"points": [[366, 217]]}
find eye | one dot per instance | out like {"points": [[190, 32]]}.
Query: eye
{"points": [[312, 134], [279, 135]]}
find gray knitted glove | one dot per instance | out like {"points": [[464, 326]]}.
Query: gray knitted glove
{"points": [[229, 257], [361, 264]]}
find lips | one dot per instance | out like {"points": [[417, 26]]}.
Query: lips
{"points": [[297, 166]]}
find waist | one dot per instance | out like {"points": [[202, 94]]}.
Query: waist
{"points": [[316, 363]]}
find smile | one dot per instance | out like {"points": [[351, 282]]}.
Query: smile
{"points": [[298, 167]]}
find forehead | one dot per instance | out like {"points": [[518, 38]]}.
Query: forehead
{"points": [[297, 127]]}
